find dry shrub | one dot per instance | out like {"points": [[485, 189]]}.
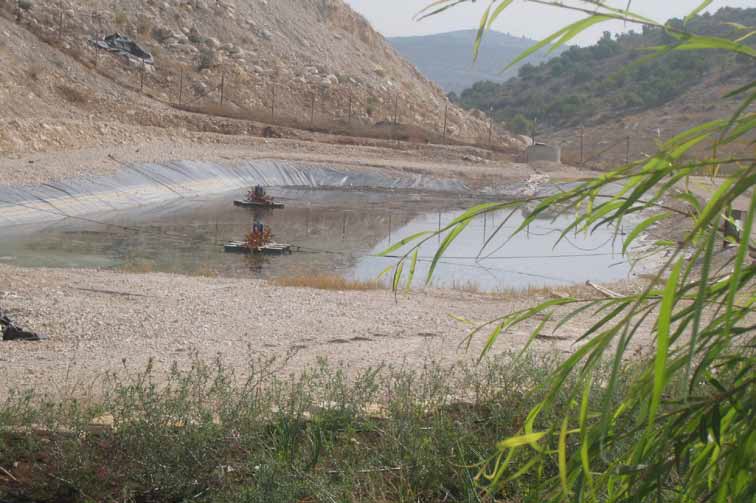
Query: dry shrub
{"points": [[326, 282], [34, 72], [72, 94]]}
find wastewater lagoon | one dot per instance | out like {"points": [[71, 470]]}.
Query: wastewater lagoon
{"points": [[332, 231]]}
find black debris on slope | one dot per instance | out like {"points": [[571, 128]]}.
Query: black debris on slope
{"points": [[10, 332]]}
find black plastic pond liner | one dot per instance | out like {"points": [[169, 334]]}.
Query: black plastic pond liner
{"points": [[10, 332], [125, 46], [136, 185]]}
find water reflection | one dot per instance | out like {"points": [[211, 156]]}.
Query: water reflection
{"points": [[333, 231]]}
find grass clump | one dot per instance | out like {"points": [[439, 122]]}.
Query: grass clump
{"points": [[206, 434], [327, 282]]}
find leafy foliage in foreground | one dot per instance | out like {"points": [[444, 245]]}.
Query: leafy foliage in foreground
{"points": [[686, 421], [609, 78], [384, 435]]}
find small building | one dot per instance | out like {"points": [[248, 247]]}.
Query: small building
{"points": [[543, 152]]}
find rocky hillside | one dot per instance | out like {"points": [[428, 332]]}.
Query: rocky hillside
{"points": [[284, 61], [446, 58]]}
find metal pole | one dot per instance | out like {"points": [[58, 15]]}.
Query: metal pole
{"points": [[273, 103], [446, 113], [582, 136], [490, 128], [97, 48], [349, 117], [223, 84], [181, 86], [312, 110], [60, 22]]}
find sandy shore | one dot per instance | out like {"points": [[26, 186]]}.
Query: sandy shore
{"points": [[100, 321]]}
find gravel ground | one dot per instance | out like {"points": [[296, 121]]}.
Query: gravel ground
{"points": [[101, 321], [443, 161]]}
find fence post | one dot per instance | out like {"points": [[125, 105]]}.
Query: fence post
{"points": [[582, 136], [396, 110], [490, 128], [223, 84], [312, 111], [627, 151], [273, 103], [446, 113], [181, 86], [349, 117], [60, 21]]}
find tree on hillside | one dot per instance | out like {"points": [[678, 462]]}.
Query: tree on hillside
{"points": [[688, 411], [594, 72]]}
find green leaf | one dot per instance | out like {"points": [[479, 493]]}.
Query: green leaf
{"points": [[448, 240], [422, 14], [503, 5], [403, 242], [697, 11], [520, 440], [563, 458], [689, 42], [641, 227], [397, 276], [662, 342], [481, 31], [577, 28], [716, 424], [413, 264], [740, 258]]}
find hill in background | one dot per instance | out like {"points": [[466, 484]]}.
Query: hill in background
{"points": [[298, 61], [446, 58], [609, 81]]}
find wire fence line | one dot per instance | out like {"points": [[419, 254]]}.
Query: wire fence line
{"points": [[345, 108]]}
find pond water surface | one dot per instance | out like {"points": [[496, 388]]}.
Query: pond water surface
{"points": [[333, 231]]}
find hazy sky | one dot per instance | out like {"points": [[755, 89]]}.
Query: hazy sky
{"points": [[394, 17]]}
